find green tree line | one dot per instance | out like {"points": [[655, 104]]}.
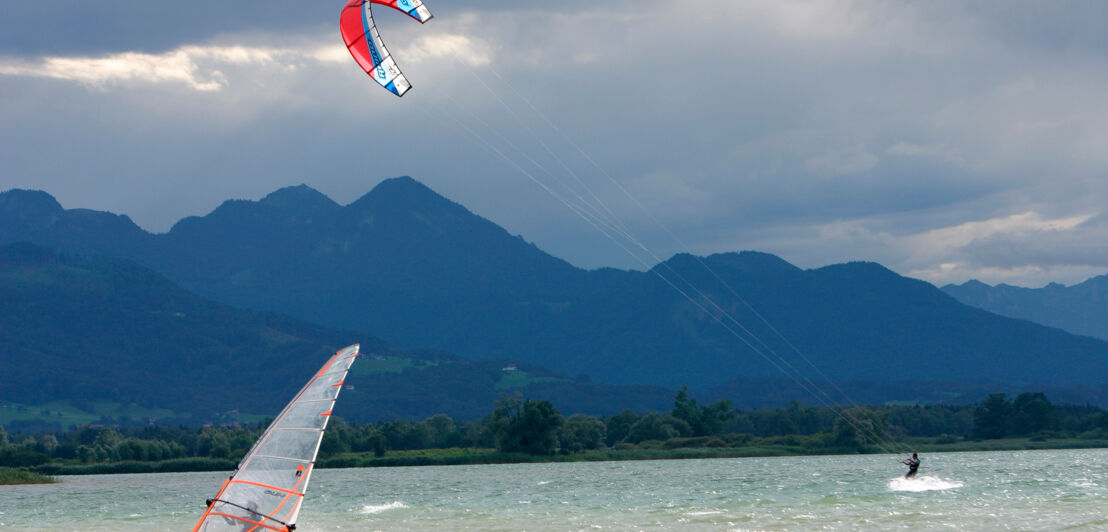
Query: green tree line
{"points": [[535, 427]]}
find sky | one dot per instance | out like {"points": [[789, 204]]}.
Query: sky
{"points": [[947, 141]]}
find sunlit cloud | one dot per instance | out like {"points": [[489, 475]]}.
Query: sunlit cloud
{"points": [[941, 242], [1027, 249], [174, 67], [197, 67], [447, 45], [330, 54]]}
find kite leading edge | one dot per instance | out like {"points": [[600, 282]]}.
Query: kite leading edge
{"points": [[365, 44]]}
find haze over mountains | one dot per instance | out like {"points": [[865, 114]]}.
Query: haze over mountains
{"points": [[421, 271], [1079, 309]]}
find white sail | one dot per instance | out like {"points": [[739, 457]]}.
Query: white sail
{"points": [[267, 487]]}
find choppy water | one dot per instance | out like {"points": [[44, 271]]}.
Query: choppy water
{"points": [[1026, 490]]}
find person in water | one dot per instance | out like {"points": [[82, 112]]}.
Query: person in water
{"points": [[913, 466]]}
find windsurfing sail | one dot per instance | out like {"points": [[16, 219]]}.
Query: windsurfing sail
{"points": [[267, 487], [365, 44]]}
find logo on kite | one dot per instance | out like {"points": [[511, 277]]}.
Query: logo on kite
{"points": [[365, 44]]}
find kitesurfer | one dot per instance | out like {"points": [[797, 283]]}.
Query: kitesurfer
{"points": [[913, 466]]}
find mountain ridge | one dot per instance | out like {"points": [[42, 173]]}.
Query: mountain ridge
{"points": [[1079, 309], [423, 271]]}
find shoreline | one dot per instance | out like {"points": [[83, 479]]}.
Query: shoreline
{"points": [[490, 456], [483, 456]]}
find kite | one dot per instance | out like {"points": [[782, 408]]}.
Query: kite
{"points": [[365, 44]]}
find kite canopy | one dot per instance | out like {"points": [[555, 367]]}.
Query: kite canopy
{"points": [[365, 44]]}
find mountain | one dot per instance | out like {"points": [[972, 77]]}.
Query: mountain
{"points": [[89, 330], [35, 216], [349, 266], [101, 329], [1079, 309], [423, 271]]}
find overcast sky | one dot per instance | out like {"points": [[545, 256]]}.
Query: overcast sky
{"points": [[945, 140]]}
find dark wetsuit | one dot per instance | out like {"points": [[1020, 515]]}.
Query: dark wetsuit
{"points": [[913, 467]]}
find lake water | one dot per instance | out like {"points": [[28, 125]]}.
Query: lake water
{"points": [[1025, 490]]}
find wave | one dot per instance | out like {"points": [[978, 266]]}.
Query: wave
{"points": [[371, 509], [924, 483]]}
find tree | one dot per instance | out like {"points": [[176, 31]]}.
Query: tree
{"points": [[21, 457], [131, 449], [703, 420], [619, 426], [654, 426], [526, 426], [990, 420], [379, 444], [368, 438], [856, 428], [213, 443], [1031, 413], [336, 439], [401, 434], [714, 416], [582, 432], [443, 431], [686, 409]]}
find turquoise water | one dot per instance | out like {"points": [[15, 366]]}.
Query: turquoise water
{"points": [[1025, 490]]}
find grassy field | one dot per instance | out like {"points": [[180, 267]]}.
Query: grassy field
{"points": [[380, 364], [69, 416]]}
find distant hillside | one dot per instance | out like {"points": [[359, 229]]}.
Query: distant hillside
{"points": [[422, 271], [99, 329], [83, 331], [1079, 309]]}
